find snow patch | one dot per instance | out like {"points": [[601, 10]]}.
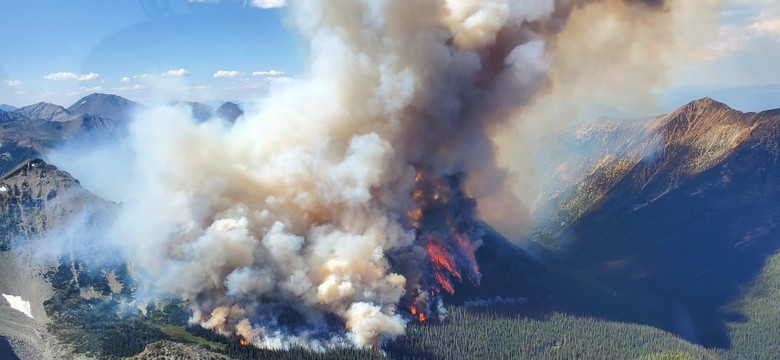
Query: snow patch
{"points": [[3, 188], [17, 303]]}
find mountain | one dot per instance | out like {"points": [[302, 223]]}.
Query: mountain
{"points": [[22, 138], [230, 112], [6, 107], [683, 223], [30, 203], [7, 117], [45, 111], [199, 111], [45, 208], [34, 130], [107, 105]]}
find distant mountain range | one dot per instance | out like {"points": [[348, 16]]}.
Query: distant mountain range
{"points": [[34, 130]]}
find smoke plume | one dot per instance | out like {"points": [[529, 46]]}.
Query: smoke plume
{"points": [[341, 207]]}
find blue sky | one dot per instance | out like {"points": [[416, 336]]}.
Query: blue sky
{"points": [[58, 51]]}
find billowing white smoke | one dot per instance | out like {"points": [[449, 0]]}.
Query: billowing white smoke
{"points": [[273, 226]]}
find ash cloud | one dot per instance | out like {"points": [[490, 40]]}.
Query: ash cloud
{"points": [[339, 208]]}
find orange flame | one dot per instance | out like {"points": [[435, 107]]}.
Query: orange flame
{"points": [[468, 249], [420, 315], [243, 342], [446, 254]]}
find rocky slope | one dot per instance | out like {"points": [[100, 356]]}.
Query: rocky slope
{"points": [[168, 350], [38, 203], [36, 197]]}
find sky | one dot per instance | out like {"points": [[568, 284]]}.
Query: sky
{"points": [[233, 50], [58, 51]]}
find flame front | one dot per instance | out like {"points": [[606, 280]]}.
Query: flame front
{"points": [[243, 342], [443, 222]]}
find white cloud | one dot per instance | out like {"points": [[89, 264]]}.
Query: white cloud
{"points": [[264, 4], [769, 27], [85, 90], [267, 4], [12, 82], [124, 79], [226, 73], [176, 73], [64, 75], [269, 73], [748, 25]]}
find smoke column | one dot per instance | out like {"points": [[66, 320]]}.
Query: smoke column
{"points": [[338, 209]]}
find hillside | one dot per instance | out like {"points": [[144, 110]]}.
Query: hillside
{"points": [[683, 228]]}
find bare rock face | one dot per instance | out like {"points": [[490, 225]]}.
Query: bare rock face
{"points": [[36, 197], [168, 350]]}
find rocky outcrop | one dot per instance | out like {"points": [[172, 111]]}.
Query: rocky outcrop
{"points": [[36, 197], [168, 350]]}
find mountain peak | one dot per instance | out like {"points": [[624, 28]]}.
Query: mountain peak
{"points": [[230, 111], [45, 111], [6, 107], [700, 106], [113, 106], [707, 102]]}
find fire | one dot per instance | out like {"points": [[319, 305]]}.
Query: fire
{"points": [[414, 217], [418, 313], [442, 259], [469, 251], [443, 221], [243, 342]]}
